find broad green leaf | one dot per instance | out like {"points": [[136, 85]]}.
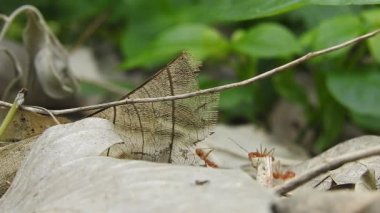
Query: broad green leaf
{"points": [[332, 122], [367, 122], [337, 30], [199, 40], [312, 15], [343, 2], [359, 92], [372, 18], [230, 10], [288, 88], [237, 102], [331, 115], [147, 19], [267, 40], [307, 39], [374, 47]]}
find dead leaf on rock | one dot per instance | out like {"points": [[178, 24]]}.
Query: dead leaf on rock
{"points": [[63, 172], [367, 181], [348, 174], [11, 157], [27, 124], [164, 131]]}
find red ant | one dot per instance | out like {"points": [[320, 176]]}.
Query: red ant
{"points": [[204, 156], [278, 174], [262, 153], [259, 153]]}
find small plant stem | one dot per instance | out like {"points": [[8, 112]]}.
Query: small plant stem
{"points": [[19, 100]]}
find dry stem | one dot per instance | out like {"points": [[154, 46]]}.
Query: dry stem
{"points": [[330, 164], [206, 91]]}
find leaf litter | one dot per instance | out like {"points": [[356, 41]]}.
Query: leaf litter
{"points": [[350, 173], [62, 166], [63, 172]]}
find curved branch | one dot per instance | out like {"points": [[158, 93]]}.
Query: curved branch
{"points": [[210, 90], [329, 165]]}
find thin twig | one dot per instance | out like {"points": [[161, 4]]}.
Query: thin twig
{"points": [[49, 113], [210, 90], [329, 164]]}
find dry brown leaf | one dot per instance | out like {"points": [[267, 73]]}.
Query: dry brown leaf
{"points": [[21, 133], [164, 131], [349, 174], [27, 124], [11, 157], [41, 67], [49, 74]]}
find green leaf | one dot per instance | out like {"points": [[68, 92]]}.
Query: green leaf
{"points": [[238, 103], [343, 2], [367, 122], [307, 39], [230, 10], [372, 18], [331, 115], [147, 19], [267, 40], [374, 47], [312, 15], [359, 92], [332, 123], [199, 40], [288, 88], [337, 30]]}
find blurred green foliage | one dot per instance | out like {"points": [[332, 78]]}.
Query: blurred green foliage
{"points": [[239, 39]]}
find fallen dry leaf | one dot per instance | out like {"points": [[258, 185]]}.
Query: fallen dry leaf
{"points": [[49, 74], [164, 131], [11, 157], [27, 124], [348, 174]]}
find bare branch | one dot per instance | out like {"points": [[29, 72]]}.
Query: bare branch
{"points": [[210, 90], [330, 164], [49, 113]]}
